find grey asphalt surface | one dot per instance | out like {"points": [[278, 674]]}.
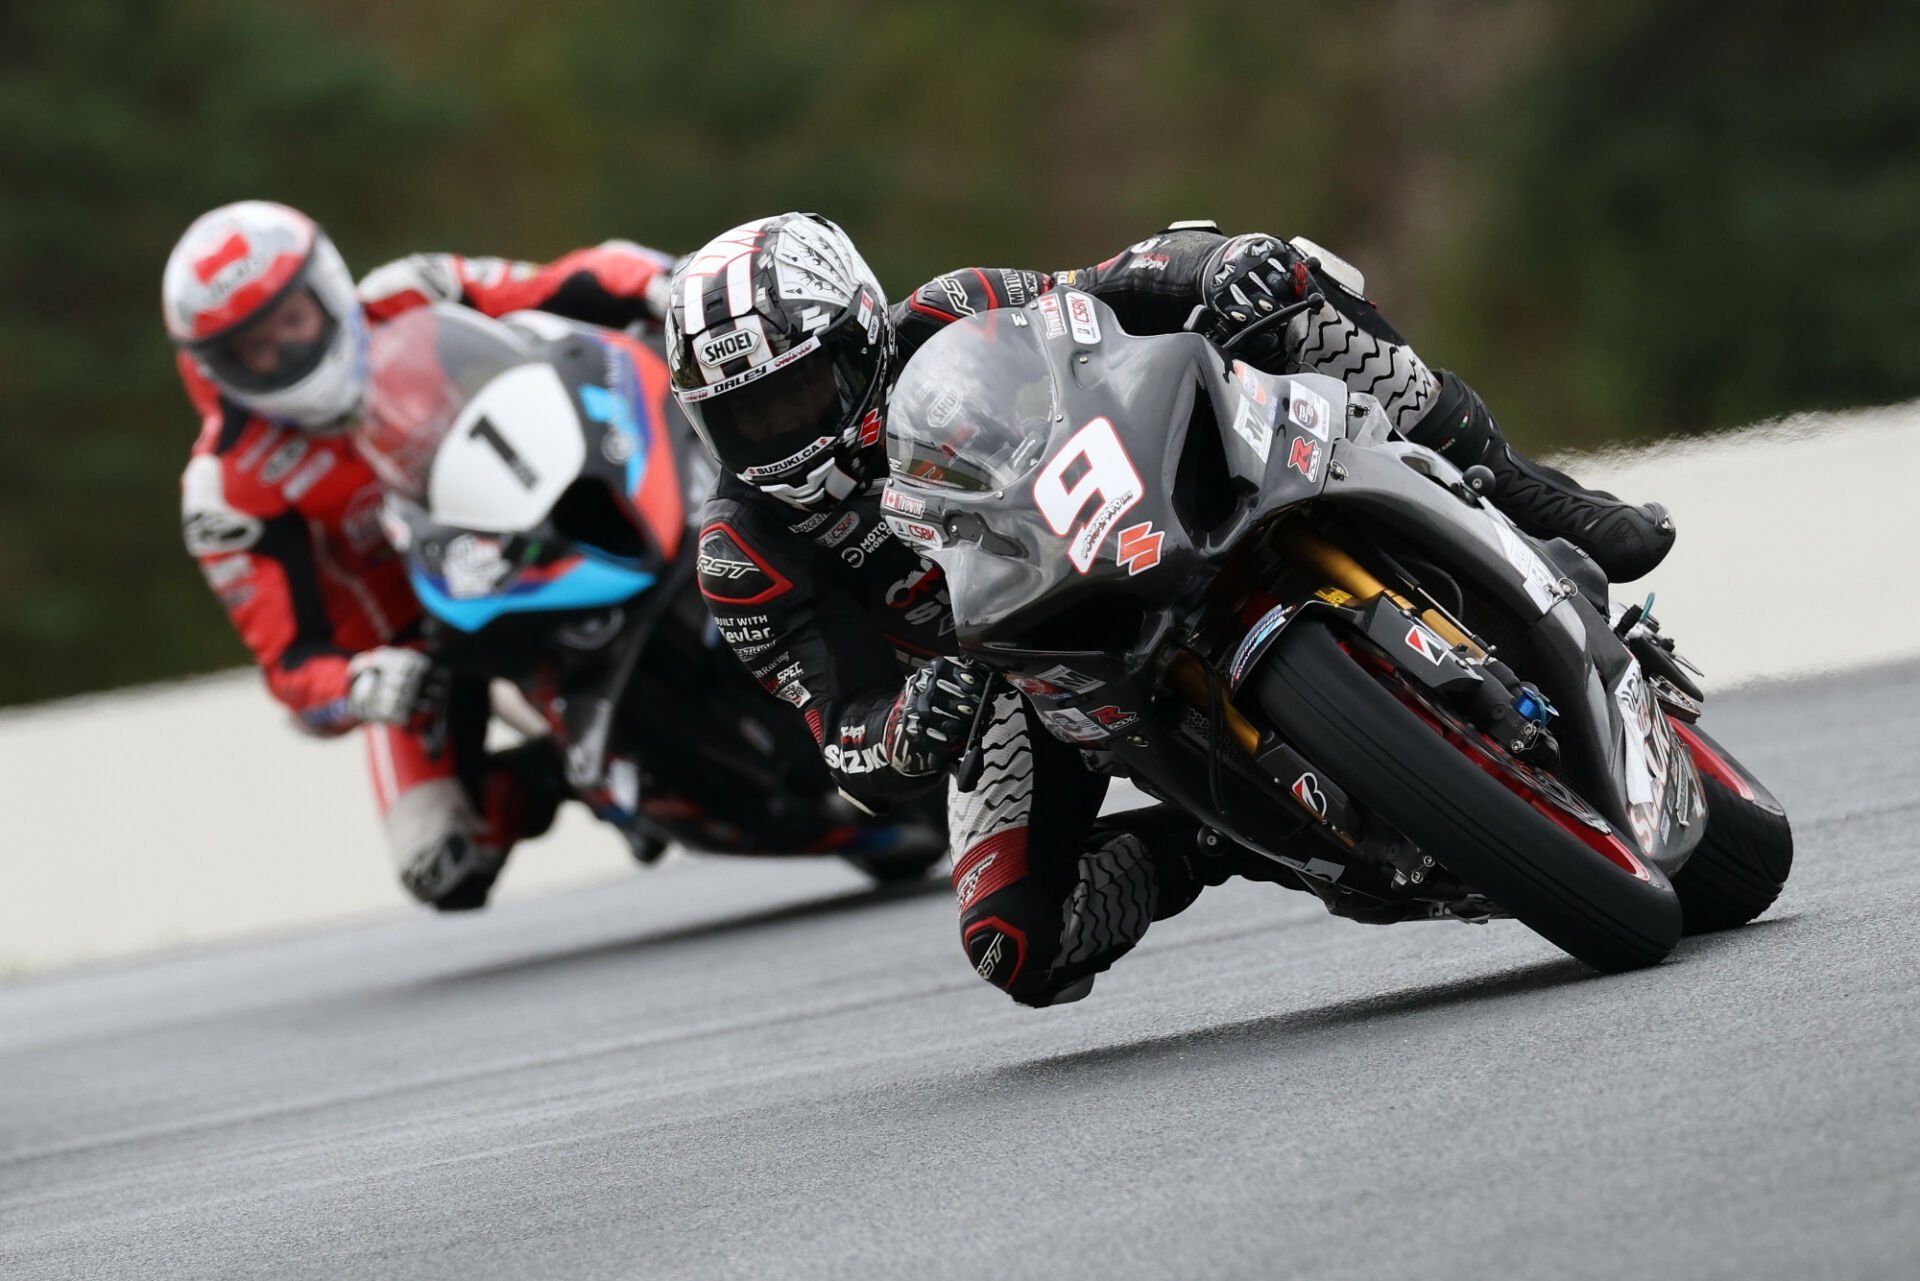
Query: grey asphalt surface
{"points": [[760, 1070]]}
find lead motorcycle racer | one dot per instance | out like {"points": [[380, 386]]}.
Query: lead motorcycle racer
{"points": [[283, 514], [784, 349]]}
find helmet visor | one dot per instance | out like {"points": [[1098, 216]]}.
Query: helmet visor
{"points": [[276, 348], [790, 410]]}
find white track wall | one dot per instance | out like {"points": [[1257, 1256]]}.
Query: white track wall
{"points": [[192, 812]]}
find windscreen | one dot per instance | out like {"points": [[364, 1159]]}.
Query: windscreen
{"points": [[975, 406], [425, 365]]}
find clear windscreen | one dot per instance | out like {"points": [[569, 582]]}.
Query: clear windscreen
{"points": [[975, 407], [424, 366]]}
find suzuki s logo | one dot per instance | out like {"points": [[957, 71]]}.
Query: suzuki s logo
{"points": [[717, 351]]}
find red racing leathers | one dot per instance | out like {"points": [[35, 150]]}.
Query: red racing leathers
{"points": [[285, 523]]}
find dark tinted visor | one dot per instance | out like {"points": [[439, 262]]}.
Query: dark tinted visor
{"points": [[777, 416], [275, 349]]}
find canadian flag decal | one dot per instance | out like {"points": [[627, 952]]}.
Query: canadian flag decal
{"points": [[1139, 547]]}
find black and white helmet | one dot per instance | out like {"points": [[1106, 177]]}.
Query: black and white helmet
{"points": [[781, 349]]}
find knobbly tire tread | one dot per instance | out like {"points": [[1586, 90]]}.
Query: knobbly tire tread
{"points": [[1349, 724], [1740, 865]]}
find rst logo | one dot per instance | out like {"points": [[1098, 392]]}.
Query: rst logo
{"points": [[724, 347], [720, 567]]}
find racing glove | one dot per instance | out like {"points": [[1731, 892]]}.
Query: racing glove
{"points": [[928, 728], [1245, 280], [387, 685]]}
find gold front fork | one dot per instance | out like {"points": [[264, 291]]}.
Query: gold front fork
{"points": [[1309, 551], [1341, 571]]}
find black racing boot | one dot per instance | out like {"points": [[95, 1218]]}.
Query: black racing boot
{"points": [[1624, 540]]}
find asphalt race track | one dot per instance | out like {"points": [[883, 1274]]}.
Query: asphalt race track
{"points": [[761, 1070]]}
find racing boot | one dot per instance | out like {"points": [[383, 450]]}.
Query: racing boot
{"points": [[520, 794], [1626, 541]]}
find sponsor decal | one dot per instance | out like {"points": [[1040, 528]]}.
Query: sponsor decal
{"points": [[302, 481], [1144, 245], [1149, 262], [1071, 725], [928, 580], [616, 447], [964, 887], [1019, 286], [997, 950], [1052, 322], [1308, 409], [1306, 789], [283, 460], [1081, 318], [1304, 457], [806, 454], [795, 693], [893, 500], [1426, 644], [754, 374], [716, 350], [875, 539], [870, 427], [841, 528], [956, 295], [1139, 547], [1250, 425], [1034, 687], [732, 575], [473, 566], [812, 522], [1067, 678], [737, 635], [855, 760], [917, 532], [1113, 719], [1083, 548], [1270, 622]]}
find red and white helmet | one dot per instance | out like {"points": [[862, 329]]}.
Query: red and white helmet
{"points": [[782, 350], [257, 294]]}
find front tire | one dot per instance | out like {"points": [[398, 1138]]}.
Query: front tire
{"points": [[1742, 861], [1580, 888]]}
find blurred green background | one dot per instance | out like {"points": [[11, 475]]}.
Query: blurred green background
{"points": [[1620, 220]]}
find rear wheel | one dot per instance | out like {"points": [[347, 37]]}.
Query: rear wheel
{"points": [[1514, 834], [1741, 863]]}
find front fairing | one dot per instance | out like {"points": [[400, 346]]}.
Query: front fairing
{"points": [[1154, 457]]}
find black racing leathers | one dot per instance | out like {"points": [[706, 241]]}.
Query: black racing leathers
{"points": [[823, 607], [829, 611]]}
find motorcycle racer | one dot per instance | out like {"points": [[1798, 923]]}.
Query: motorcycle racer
{"points": [[282, 513], [784, 350]]}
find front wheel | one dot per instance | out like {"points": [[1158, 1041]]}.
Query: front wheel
{"points": [[1741, 863], [1513, 834]]}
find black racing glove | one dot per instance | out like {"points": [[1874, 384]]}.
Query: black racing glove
{"points": [[927, 729], [1245, 280]]}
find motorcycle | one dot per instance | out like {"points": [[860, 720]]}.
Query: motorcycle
{"points": [[1247, 593], [539, 480]]}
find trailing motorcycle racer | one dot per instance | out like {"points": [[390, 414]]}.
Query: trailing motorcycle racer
{"points": [[282, 513], [784, 349]]}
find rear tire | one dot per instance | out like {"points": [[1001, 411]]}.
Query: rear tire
{"points": [[1743, 859], [1399, 767]]}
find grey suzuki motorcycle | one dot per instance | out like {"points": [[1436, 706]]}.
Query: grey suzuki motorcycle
{"points": [[1243, 591]]}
